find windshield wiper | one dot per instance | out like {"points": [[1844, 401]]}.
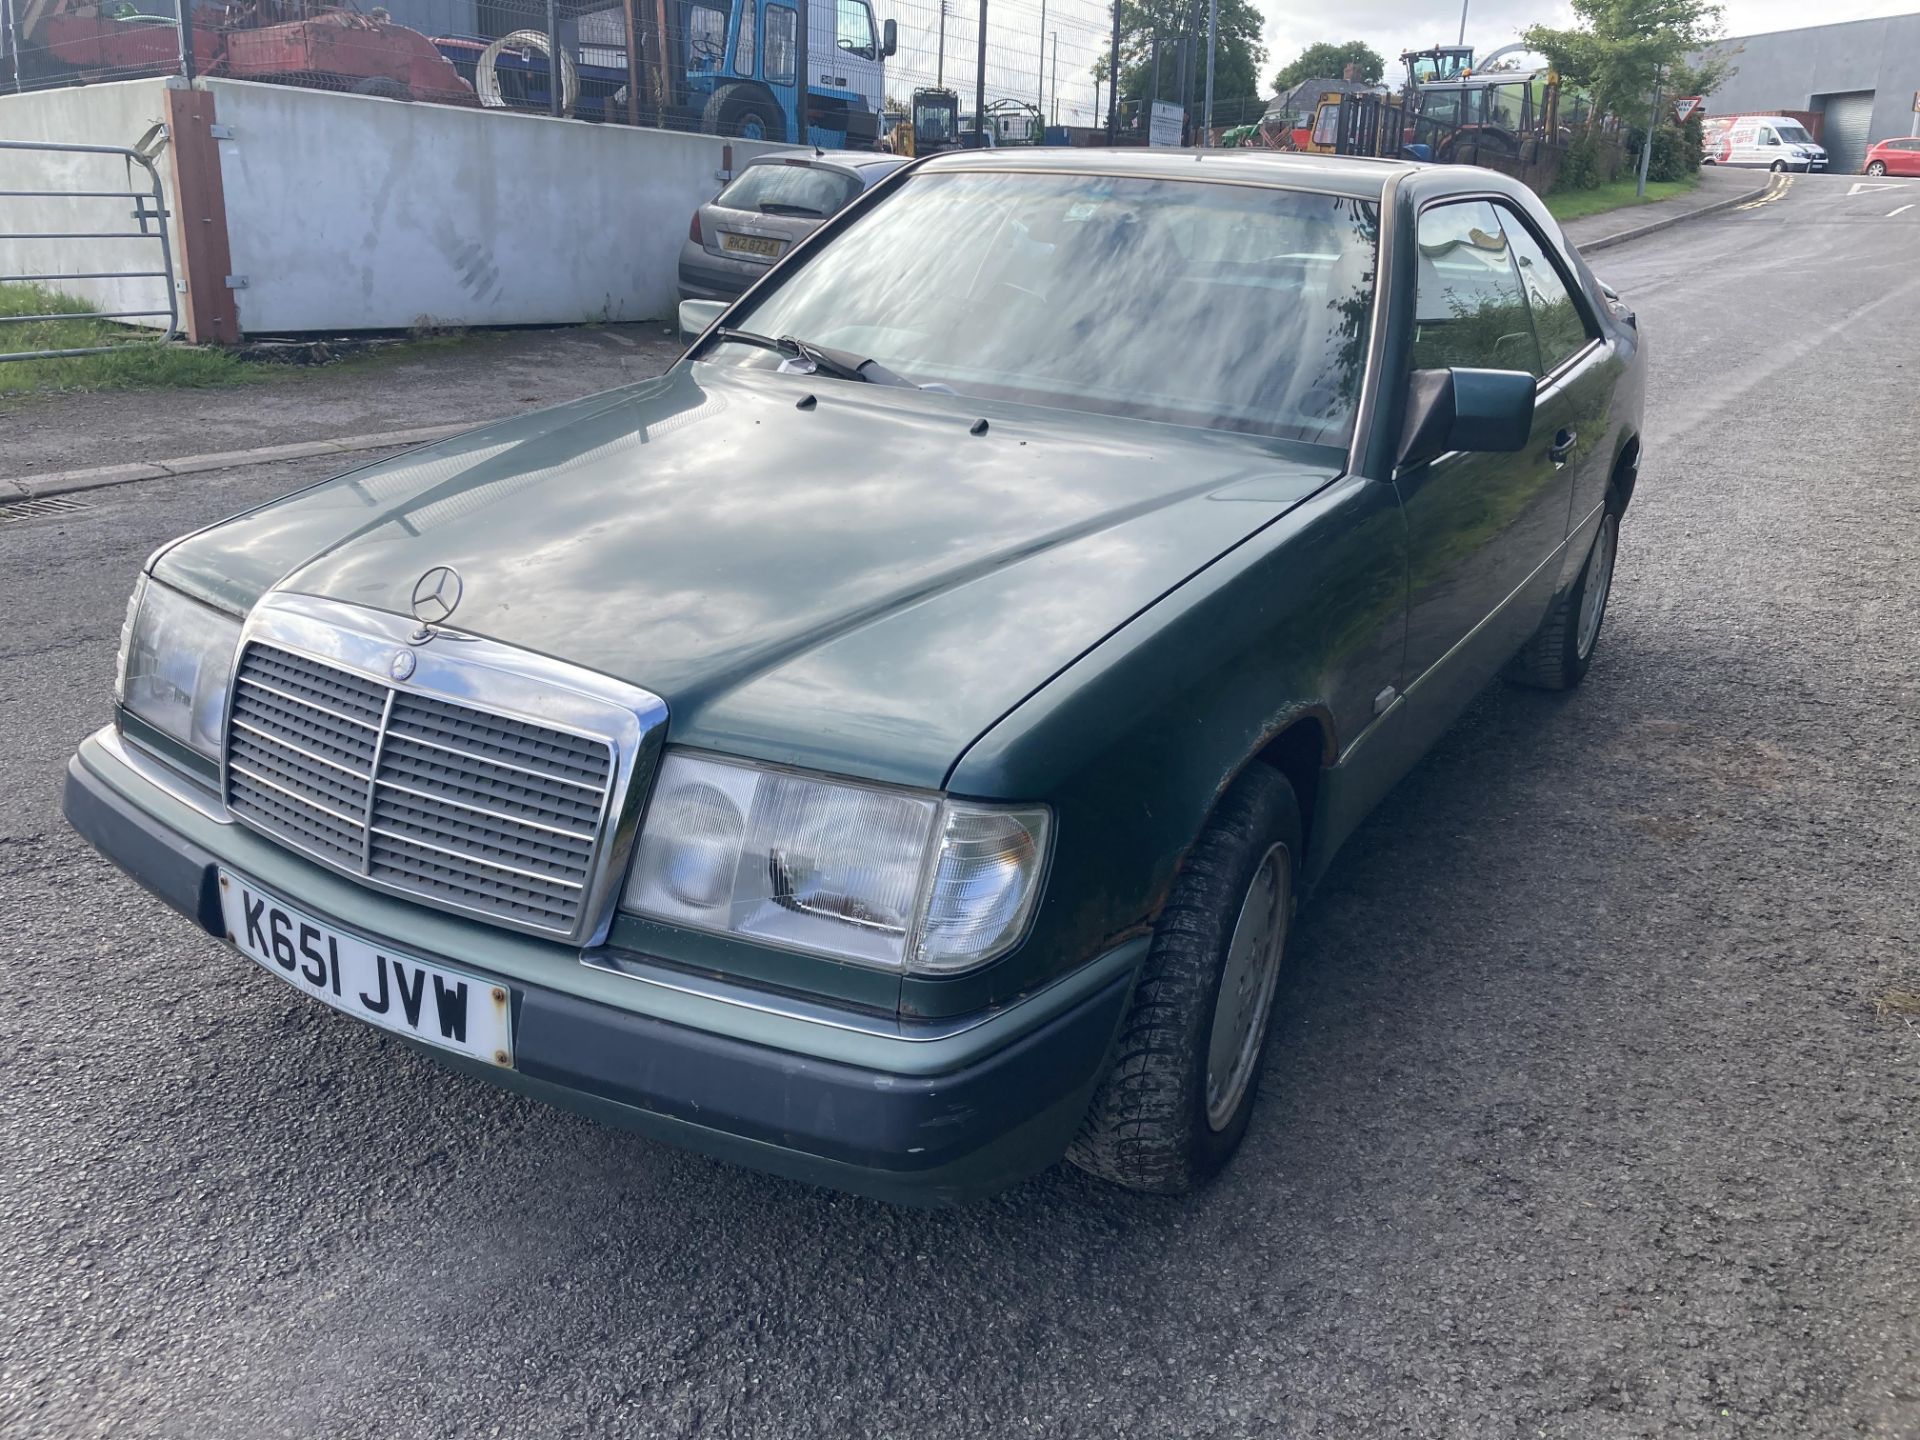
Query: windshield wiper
{"points": [[779, 207], [840, 364]]}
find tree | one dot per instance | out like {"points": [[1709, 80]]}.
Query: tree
{"points": [[1238, 55], [1331, 61], [1617, 49]]}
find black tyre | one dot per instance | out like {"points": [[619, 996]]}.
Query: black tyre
{"points": [[743, 112], [1175, 1105], [1877, 167], [1561, 650], [382, 86], [1778, 166]]}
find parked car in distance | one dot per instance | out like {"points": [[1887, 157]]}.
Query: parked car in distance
{"points": [[1893, 157], [1764, 142], [887, 748], [775, 202]]}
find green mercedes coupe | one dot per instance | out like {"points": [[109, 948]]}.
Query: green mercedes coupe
{"points": [[888, 748]]}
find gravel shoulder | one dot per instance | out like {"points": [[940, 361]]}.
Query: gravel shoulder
{"points": [[477, 376]]}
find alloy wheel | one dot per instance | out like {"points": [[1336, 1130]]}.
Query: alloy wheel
{"points": [[1247, 983], [1598, 581]]}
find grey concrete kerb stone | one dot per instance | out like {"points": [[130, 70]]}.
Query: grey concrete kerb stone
{"points": [[59, 482], [1667, 222]]}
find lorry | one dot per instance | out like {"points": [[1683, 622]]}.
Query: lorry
{"points": [[731, 70]]}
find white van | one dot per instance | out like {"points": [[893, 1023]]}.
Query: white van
{"points": [[1762, 142]]}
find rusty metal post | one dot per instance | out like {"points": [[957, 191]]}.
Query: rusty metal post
{"points": [[803, 77], [663, 90], [633, 68], [556, 74]]}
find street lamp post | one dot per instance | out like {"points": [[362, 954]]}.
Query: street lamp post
{"points": [[1213, 25], [1043, 62], [980, 83], [1463, 22], [1646, 144]]}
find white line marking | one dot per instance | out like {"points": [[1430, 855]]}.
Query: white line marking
{"points": [[1861, 187], [1901, 211]]}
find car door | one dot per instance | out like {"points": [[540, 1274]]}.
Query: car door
{"points": [[857, 51], [1482, 528], [1577, 373], [1904, 158]]}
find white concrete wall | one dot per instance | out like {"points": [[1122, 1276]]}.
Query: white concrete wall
{"points": [[346, 212], [116, 114]]}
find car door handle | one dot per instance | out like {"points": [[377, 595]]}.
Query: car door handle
{"points": [[1562, 447]]}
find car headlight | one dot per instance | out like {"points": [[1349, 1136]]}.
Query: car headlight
{"points": [[176, 659], [878, 876]]}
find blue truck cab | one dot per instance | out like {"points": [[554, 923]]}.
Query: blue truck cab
{"points": [[741, 70]]}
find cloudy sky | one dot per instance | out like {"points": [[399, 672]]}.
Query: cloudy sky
{"points": [[1015, 48]]}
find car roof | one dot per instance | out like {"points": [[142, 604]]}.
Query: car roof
{"points": [[830, 159], [1353, 175]]}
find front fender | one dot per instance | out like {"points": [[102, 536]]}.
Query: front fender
{"points": [[1134, 743]]}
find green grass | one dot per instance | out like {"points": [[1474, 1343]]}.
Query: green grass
{"points": [[137, 363], [1573, 204]]}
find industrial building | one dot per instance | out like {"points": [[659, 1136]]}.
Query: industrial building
{"points": [[1859, 81]]}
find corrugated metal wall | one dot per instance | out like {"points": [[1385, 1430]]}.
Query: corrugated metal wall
{"points": [[1848, 130]]}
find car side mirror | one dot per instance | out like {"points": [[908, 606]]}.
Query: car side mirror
{"points": [[696, 316], [1490, 411], [889, 38]]}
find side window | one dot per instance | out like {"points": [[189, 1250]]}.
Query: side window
{"points": [[855, 26], [1557, 322], [706, 35], [1468, 307], [781, 36], [744, 47]]}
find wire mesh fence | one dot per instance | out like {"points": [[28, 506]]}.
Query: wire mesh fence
{"points": [[833, 73], [731, 67]]}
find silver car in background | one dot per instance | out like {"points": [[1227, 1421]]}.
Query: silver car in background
{"points": [[775, 202]]}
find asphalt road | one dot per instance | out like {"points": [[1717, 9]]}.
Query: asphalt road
{"points": [[1583, 1120]]}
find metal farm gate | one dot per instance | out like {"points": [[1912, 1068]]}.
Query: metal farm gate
{"points": [[97, 216]]}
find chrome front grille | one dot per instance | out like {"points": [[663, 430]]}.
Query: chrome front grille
{"points": [[469, 809]]}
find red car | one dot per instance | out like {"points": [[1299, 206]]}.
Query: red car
{"points": [[1894, 157]]}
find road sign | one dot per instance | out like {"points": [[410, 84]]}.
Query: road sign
{"points": [[1916, 102], [1164, 128], [1685, 106]]}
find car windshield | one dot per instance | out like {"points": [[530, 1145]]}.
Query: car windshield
{"points": [[1792, 133], [789, 188], [1234, 307]]}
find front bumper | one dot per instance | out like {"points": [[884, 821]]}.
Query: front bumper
{"points": [[941, 1117]]}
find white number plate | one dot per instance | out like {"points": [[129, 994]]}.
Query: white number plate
{"points": [[396, 992]]}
